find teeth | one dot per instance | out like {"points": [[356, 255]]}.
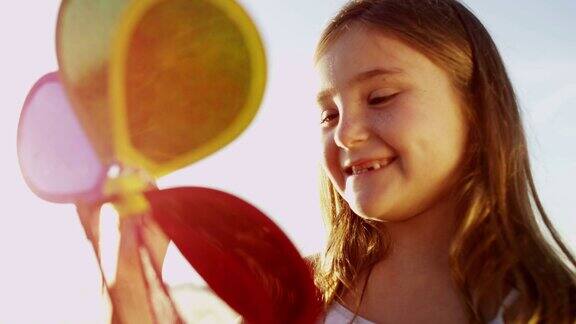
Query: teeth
{"points": [[376, 165], [360, 171]]}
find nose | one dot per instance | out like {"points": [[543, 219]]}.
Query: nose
{"points": [[352, 130]]}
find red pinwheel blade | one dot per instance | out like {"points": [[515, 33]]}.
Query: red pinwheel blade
{"points": [[56, 158], [241, 254]]}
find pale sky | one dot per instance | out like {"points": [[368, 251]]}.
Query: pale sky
{"points": [[47, 265]]}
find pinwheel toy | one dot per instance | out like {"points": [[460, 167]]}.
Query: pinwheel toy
{"points": [[145, 88]]}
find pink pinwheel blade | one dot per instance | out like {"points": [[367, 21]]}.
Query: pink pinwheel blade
{"points": [[242, 255], [56, 158]]}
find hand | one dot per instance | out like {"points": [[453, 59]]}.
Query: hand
{"points": [[126, 281]]}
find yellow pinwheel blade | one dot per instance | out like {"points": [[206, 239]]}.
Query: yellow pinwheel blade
{"points": [[186, 78]]}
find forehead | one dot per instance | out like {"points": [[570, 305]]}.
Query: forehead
{"points": [[361, 49]]}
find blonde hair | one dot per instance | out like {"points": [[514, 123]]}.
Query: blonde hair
{"points": [[498, 241]]}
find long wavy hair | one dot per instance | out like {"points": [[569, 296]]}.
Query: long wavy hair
{"points": [[499, 241]]}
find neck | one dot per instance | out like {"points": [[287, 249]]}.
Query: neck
{"points": [[416, 270], [421, 243]]}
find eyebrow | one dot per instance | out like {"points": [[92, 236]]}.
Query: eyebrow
{"points": [[360, 77]]}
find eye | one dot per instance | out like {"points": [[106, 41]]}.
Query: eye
{"points": [[376, 99], [327, 116]]}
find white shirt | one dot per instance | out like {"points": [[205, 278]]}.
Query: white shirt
{"points": [[338, 314]]}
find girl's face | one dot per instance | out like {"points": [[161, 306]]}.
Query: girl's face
{"points": [[393, 129]]}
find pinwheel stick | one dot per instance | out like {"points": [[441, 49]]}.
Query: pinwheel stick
{"points": [[136, 291]]}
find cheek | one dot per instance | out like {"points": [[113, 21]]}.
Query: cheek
{"points": [[396, 127], [331, 161], [383, 119], [443, 132], [435, 149]]}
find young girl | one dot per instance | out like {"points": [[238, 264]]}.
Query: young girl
{"points": [[429, 199]]}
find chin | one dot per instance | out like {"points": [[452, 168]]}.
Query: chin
{"points": [[370, 211], [377, 212]]}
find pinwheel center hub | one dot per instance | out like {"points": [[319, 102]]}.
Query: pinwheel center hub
{"points": [[125, 186]]}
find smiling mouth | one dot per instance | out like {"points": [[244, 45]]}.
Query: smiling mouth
{"points": [[367, 167]]}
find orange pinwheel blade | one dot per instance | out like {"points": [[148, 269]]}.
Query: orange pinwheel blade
{"points": [[187, 77], [241, 254], [85, 30]]}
